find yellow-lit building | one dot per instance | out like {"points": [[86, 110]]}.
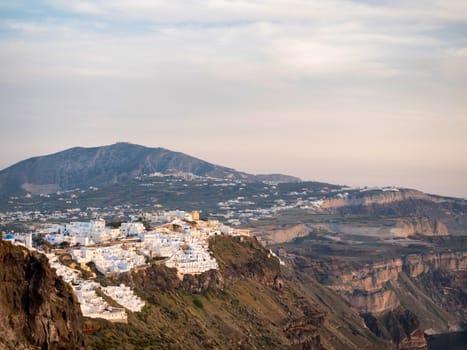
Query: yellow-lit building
{"points": [[195, 215]]}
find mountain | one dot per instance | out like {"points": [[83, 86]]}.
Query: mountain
{"points": [[81, 167]]}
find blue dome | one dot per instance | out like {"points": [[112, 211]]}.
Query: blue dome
{"points": [[9, 236]]}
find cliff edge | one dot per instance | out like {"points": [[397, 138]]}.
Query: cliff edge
{"points": [[37, 309]]}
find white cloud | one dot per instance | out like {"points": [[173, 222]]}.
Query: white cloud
{"points": [[268, 10], [85, 7], [27, 27], [339, 82]]}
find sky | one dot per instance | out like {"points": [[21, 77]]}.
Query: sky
{"points": [[368, 92]]}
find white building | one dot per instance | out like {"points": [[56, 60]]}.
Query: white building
{"points": [[194, 260], [112, 259], [161, 243], [28, 240], [94, 306], [125, 297], [132, 228]]}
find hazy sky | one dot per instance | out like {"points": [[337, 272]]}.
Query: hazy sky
{"points": [[352, 92]]}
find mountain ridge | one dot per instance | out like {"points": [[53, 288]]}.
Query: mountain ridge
{"points": [[81, 167]]}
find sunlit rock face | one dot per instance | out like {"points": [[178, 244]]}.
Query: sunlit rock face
{"points": [[366, 287]]}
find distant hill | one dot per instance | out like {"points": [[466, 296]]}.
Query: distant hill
{"points": [[81, 167]]}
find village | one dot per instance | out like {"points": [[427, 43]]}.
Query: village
{"points": [[133, 237], [235, 202], [177, 238]]}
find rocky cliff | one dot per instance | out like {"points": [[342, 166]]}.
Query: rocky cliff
{"points": [[375, 302], [381, 228], [418, 213], [401, 326], [273, 235], [373, 227], [416, 264], [400, 297], [425, 226], [37, 309], [366, 287], [378, 197], [369, 278]]}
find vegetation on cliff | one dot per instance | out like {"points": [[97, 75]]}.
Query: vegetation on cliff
{"points": [[247, 304]]}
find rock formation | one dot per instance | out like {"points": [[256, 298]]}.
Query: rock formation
{"points": [[366, 287], [379, 197], [37, 309]]}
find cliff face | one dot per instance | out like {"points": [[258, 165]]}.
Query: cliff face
{"points": [[37, 309], [415, 265], [399, 298], [379, 197], [415, 341], [369, 278], [366, 287], [373, 227], [374, 302], [401, 326], [419, 213], [425, 226], [388, 228], [274, 235]]}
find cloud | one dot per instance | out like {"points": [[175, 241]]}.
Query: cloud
{"points": [[27, 27], [320, 85], [85, 7], [216, 11]]}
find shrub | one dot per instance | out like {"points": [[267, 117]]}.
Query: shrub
{"points": [[198, 303]]}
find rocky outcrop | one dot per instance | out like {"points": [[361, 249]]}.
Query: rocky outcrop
{"points": [[400, 326], [245, 257], [37, 309], [303, 332], [415, 341], [212, 279]]}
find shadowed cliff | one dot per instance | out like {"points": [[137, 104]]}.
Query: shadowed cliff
{"points": [[37, 309]]}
